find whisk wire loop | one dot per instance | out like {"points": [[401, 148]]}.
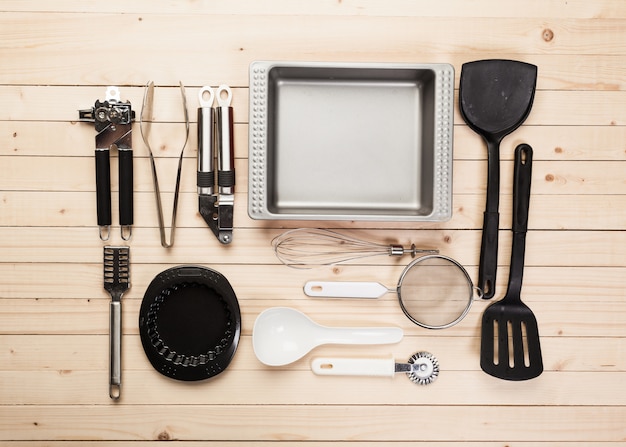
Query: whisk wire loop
{"points": [[308, 247]]}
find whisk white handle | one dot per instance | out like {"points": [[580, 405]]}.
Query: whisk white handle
{"points": [[344, 289], [327, 366]]}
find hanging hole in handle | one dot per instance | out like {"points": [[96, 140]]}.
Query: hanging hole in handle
{"points": [[115, 391], [486, 289], [126, 232], [525, 153], [224, 95], [105, 232], [326, 366], [206, 96]]}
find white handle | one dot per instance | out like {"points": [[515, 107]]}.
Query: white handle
{"points": [[327, 366], [344, 289], [358, 335]]}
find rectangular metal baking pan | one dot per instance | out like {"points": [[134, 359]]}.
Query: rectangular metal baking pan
{"points": [[350, 141]]}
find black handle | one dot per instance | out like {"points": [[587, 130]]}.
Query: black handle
{"points": [[126, 186], [225, 152], [489, 254], [103, 187], [522, 173], [488, 264]]}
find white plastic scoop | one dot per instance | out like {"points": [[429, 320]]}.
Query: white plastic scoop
{"points": [[282, 335]]}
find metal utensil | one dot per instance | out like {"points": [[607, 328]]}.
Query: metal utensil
{"points": [[116, 282], [145, 125], [216, 209], [112, 119], [434, 291], [307, 247], [282, 335], [510, 348], [422, 367], [495, 97]]}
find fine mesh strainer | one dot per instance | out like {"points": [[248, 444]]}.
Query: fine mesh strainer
{"points": [[434, 291]]}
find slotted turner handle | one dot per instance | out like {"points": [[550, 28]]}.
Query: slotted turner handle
{"points": [[521, 204]]}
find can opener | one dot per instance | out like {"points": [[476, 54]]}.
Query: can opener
{"points": [[112, 119]]}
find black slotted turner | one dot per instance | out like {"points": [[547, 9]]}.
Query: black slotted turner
{"points": [[509, 346]]}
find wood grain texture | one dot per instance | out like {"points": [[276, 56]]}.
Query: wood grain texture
{"points": [[58, 57]]}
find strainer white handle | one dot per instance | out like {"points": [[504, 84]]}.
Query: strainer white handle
{"points": [[344, 289]]}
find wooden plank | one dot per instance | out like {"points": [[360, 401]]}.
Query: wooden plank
{"points": [[40, 103], [81, 245], [324, 422], [78, 209], [52, 54], [74, 317], [267, 282], [78, 174], [172, 443], [60, 353], [563, 143], [304, 388], [455, 8]]}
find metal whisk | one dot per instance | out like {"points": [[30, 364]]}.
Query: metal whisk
{"points": [[308, 247]]}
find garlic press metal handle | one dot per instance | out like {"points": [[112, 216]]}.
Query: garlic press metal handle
{"points": [[225, 165], [215, 135]]}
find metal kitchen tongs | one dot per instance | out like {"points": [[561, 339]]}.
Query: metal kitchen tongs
{"points": [[145, 123]]}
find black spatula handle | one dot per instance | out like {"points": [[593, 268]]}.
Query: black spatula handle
{"points": [[488, 264]]}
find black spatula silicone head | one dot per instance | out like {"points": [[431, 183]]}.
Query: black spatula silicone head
{"points": [[495, 97], [510, 347]]}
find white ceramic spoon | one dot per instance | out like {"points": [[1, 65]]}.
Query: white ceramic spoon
{"points": [[282, 335]]}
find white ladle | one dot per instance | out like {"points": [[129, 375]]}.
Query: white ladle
{"points": [[282, 335]]}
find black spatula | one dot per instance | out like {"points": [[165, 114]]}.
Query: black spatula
{"points": [[510, 347], [495, 97]]}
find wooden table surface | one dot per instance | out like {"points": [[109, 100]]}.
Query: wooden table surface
{"points": [[58, 57]]}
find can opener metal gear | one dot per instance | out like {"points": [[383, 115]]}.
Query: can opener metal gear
{"points": [[113, 122], [215, 128]]}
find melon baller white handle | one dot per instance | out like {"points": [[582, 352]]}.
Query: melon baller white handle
{"points": [[329, 366], [345, 289]]}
